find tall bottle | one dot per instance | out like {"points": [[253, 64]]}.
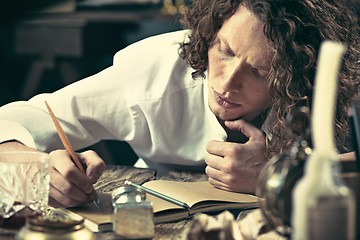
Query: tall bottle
{"points": [[323, 206]]}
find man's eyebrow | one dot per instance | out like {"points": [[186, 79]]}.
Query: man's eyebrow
{"points": [[225, 43], [261, 66]]}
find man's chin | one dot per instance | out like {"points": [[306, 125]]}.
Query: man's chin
{"points": [[228, 117], [223, 115]]}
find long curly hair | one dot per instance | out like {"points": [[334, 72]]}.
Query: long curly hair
{"points": [[296, 29]]}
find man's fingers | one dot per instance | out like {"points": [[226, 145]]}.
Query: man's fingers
{"points": [[218, 184], [244, 182], [222, 149], [64, 188], [95, 166], [216, 178], [70, 172], [213, 161], [246, 128], [214, 147], [69, 186], [214, 175], [58, 199]]}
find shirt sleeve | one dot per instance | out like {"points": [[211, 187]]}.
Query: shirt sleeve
{"points": [[145, 98], [14, 131], [87, 110]]}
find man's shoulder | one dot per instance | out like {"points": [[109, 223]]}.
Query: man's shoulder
{"points": [[162, 44], [154, 66], [174, 37]]}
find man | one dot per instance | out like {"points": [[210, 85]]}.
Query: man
{"points": [[219, 102]]}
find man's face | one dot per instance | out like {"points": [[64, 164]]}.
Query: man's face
{"points": [[239, 61]]}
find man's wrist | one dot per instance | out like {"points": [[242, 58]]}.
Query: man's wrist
{"points": [[14, 145]]}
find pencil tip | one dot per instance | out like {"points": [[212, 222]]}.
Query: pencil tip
{"points": [[97, 204]]}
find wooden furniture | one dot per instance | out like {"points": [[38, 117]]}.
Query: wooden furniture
{"points": [[115, 176], [63, 41], [56, 41]]}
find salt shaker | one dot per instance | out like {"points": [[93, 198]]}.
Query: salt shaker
{"points": [[133, 216]]}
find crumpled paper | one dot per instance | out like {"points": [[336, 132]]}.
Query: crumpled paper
{"points": [[221, 227], [224, 227]]}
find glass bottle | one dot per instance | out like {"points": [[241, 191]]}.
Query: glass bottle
{"points": [[323, 206]]}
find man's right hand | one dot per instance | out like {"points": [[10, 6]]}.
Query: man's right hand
{"points": [[69, 187]]}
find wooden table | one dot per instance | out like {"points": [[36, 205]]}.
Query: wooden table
{"points": [[115, 176]]}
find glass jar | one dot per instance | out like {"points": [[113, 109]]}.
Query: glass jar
{"points": [[133, 216]]}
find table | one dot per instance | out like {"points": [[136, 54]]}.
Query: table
{"points": [[115, 176]]}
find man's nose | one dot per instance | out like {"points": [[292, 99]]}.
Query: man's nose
{"points": [[232, 80]]}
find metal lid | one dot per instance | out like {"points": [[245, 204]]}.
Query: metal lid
{"points": [[128, 194], [50, 225]]}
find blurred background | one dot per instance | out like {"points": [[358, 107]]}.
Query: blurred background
{"points": [[47, 44]]}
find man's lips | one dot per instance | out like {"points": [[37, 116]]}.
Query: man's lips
{"points": [[224, 102]]}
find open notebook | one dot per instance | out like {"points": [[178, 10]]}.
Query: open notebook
{"points": [[200, 196]]}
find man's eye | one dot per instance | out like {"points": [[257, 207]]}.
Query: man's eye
{"points": [[225, 52], [256, 73]]}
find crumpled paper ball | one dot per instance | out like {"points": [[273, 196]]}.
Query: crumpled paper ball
{"points": [[223, 226]]}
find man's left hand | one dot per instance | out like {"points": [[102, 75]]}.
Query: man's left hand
{"points": [[236, 166]]}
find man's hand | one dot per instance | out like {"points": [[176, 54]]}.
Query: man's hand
{"points": [[68, 186], [235, 166]]}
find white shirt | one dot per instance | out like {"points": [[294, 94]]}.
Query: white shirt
{"points": [[147, 98]]}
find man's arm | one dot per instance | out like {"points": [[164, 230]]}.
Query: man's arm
{"points": [[15, 146]]}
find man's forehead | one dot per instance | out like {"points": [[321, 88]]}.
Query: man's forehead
{"points": [[258, 51]]}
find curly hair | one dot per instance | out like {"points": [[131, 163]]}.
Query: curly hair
{"points": [[296, 29]]}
